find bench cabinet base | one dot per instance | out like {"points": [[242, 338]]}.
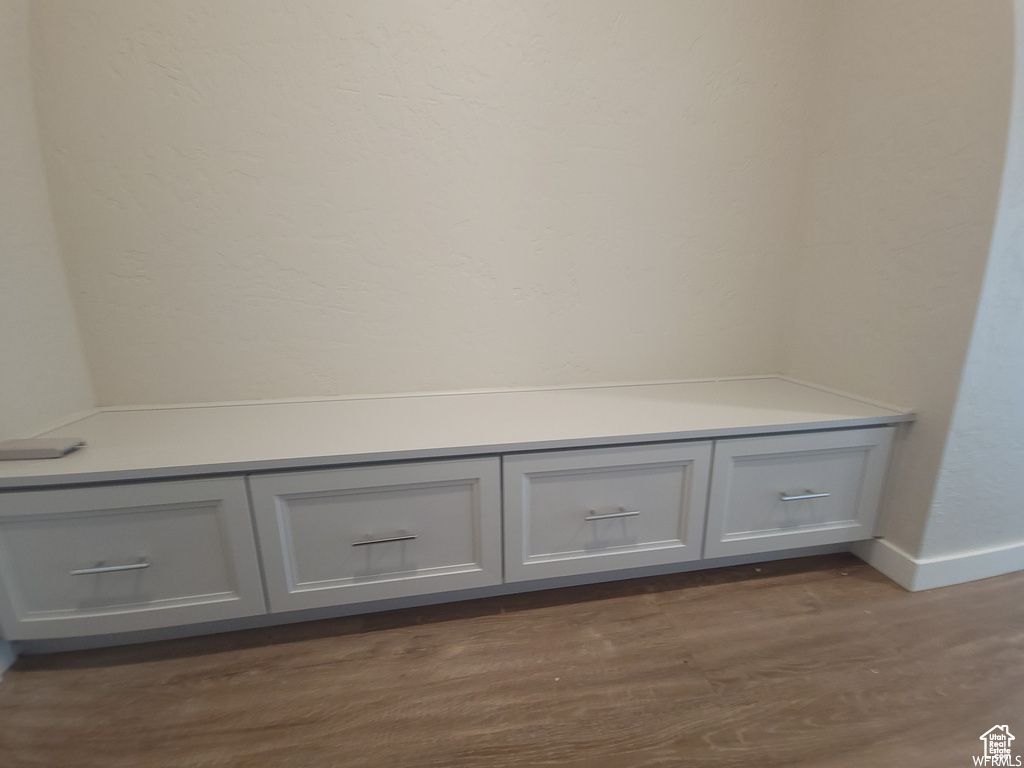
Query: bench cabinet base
{"points": [[101, 559]]}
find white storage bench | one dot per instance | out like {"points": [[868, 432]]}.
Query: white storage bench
{"points": [[176, 517]]}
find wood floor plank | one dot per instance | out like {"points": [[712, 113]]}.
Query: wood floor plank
{"points": [[814, 662]]}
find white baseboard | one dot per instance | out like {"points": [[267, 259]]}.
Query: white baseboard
{"points": [[7, 656], [889, 559], [917, 574]]}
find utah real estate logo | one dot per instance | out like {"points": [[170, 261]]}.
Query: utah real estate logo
{"points": [[998, 749]]}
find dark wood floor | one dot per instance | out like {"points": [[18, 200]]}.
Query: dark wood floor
{"points": [[816, 662]]}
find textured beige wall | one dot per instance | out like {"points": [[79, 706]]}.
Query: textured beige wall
{"points": [[302, 198], [290, 198], [42, 373], [908, 149], [979, 499]]}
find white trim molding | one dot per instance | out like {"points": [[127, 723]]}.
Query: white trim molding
{"points": [[917, 574]]}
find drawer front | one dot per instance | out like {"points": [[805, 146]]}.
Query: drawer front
{"points": [[575, 512], [88, 561], [354, 535], [772, 493]]}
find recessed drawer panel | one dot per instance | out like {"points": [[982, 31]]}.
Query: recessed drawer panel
{"points": [[772, 493], [353, 535], [586, 511], [119, 558]]}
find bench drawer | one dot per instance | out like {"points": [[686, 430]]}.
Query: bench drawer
{"points": [[371, 533], [587, 511], [774, 493], [85, 561]]}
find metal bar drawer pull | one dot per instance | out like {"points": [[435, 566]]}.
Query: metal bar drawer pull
{"points": [[403, 536], [112, 568], [623, 512], [807, 494]]}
